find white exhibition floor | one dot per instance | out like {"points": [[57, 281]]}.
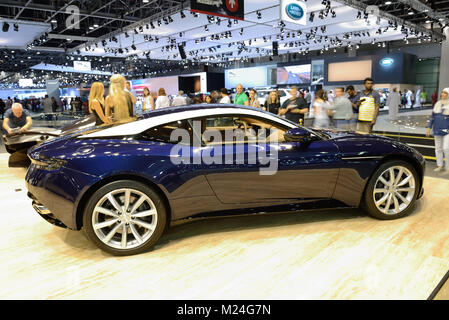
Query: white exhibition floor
{"points": [[333, 254]]}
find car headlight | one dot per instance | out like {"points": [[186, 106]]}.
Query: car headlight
{"points": [[49, 164]]}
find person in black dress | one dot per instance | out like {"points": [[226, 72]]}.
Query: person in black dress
{"points": [[96, 103], [272, 103]]}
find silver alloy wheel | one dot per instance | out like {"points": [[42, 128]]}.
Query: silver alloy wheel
{"points": [[124, 218], [394, 190]]}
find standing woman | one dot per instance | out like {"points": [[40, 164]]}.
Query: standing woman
{"points": [[253, 101], [119, 103], [439, 122], [321, 109], [148, 101], [272, 103], [208, 99], [162, 100], [96, 103]]}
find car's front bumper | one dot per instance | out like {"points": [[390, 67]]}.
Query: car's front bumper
{"points": [[45, 213]]}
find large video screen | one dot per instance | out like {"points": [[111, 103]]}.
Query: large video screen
{"points": [[294, 74], [249, 77], [359, 70], [170, 84]]}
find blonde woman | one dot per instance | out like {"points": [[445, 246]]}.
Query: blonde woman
{"points": [[96, 103], [119, 103], [272, 103]]}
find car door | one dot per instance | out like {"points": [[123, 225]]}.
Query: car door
{"points": [[302, 171]]}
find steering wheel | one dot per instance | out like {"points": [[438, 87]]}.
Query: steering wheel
{"points": [[242, 125]]}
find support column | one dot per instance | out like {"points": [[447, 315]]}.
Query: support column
{"points": [[444, 62]]}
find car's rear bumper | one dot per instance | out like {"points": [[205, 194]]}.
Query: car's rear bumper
{"points": [[56, 194]]}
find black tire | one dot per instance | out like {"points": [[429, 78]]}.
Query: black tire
{"points": [[161, 216], [368, 202]]}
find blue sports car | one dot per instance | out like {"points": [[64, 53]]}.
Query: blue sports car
{"points": [[124, 183]]}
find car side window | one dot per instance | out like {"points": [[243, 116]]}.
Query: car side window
{"points": [[214, 130], [163, 132], [282, 93]]}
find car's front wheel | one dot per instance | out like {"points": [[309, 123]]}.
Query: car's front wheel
{"points": [[124, 217], [392, 190]]}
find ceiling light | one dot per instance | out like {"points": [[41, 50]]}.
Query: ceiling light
{"points": [[388, 3]]}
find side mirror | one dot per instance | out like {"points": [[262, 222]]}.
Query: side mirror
{"points": [[297, 135]]}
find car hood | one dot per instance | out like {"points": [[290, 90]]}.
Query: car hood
{"points": [[353, 144], [340, 135]]}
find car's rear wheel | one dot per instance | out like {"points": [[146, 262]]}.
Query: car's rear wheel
{"points": [[124, 217], [392, 190]]}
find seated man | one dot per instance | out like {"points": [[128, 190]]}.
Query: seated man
{"points": [[17, 118]]}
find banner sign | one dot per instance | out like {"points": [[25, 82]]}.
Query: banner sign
{"points": [[231, 9], [294, 11]]}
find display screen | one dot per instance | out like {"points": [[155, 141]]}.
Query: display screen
{"points": [[249, 77], [294, 74], [349, 71], [25, 82], [170, 84], [82, 65]]}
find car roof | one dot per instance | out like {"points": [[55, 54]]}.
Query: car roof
{"points": [[167, 115]]}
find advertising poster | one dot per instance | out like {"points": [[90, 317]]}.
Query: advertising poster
{"points": [[231, 9]]}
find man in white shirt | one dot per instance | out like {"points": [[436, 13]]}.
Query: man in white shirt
{"points": [[225, 96], [47, 104], [179, 100], [342, 110], [393, 102]]}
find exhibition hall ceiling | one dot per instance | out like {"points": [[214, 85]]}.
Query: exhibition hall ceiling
{"points": [[217, 39], [41, 31]]}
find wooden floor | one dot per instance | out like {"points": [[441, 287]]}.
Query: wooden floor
{"points": [[334, 254]]}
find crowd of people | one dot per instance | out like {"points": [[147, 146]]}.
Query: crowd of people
{"points": [[47, 104], [343, 108]]}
